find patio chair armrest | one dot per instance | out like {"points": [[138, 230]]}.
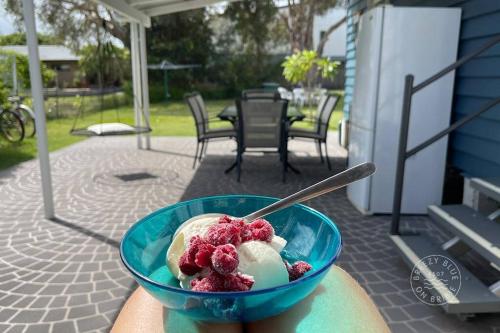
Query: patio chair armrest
{"points": [[309, 121], [215, 120], [286, 126]]}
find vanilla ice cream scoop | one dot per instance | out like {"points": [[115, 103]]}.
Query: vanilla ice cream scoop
{"points": [[197, 225], [262, 261]]}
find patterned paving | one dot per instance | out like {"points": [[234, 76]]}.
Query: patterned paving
{"points": [[65, 275]]}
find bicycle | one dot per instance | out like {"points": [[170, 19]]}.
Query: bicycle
{"points": [[11, 126], [25, 113]]}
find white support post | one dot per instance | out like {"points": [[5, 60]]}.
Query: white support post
{"points": [[37, 95], [136, 77], [144, 81], [14, 76]]}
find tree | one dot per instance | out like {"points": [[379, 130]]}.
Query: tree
{"points": [[72, 21], [251, 21], [180, 37], [298, 18], [104, 64], [19, 38], [306, 67], [22, 68]]}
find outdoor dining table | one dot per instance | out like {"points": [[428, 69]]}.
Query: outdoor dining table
{"points": [[230, 114]]}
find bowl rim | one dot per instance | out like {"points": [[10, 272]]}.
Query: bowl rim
{"points": [[189, 292]]}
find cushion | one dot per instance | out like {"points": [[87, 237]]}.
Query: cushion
{"points": [[110, 128]]}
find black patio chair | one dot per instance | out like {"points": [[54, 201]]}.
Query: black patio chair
{"points": [[203, 131], [319, 131], [260, 94], [262, 123]]}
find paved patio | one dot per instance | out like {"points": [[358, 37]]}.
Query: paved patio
{"points": [[65, 275]]}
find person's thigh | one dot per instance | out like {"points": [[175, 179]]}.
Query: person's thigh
{"points": [[143, 313], [339, 304]]}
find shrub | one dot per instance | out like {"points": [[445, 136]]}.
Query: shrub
{"points": [[4, 93], [306, 67], [212, 90], [108, 60], [229, 74], [156, 92], [22, 67]]}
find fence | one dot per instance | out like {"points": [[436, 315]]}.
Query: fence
{"points": [[66, 103]]}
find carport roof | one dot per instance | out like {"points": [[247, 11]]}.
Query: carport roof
{"points": [[47, 52], [141, 11]]}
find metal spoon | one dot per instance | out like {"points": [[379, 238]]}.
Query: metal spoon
{"points": [[330, 184]]}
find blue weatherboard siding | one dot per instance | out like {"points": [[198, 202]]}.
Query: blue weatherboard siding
{"points": [[475, 148], [350, 64]]}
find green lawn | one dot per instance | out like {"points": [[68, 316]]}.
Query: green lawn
{"points": [[167, 119]]}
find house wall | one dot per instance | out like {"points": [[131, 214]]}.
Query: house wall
{"points": [[335, 46], [350, 57], [65, 71], [475, 148]]}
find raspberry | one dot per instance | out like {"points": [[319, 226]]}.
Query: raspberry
{"points": [[297, 270], [238, 282], [216, 282], [262, 230], [238, 222], [225, 259], [194, 243], [194, 282], [187, 264], [247, 280], [223, 233], [246, 233], [225, 219], [203, 255], [199, 251], [213, 282]]}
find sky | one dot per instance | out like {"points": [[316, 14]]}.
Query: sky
{"points": [[6, 23]]}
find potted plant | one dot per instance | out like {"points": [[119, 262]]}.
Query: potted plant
{"points": [[305, 68]]}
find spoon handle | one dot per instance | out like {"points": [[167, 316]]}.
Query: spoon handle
{"points": [[330, 184]]}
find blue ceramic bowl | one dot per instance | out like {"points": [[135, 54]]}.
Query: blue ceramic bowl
{"points": [[311, 236]]}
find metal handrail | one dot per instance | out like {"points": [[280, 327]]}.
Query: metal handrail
{"points": [[452, 127], [403, 154]]}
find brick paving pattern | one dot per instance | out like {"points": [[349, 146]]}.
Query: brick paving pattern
{"points": [[65, 275]]}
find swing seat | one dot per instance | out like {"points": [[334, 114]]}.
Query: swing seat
{"points": [[105, 129]]}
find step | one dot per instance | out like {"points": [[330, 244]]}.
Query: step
{"points": [[474, 229], [473, 296], [488, 186]]}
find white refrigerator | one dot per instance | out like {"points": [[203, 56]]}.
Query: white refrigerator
{"points": [[391, 43]]}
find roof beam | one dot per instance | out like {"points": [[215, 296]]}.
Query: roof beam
{"points": [[127, 11], [180, 6], [138, 3]]}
